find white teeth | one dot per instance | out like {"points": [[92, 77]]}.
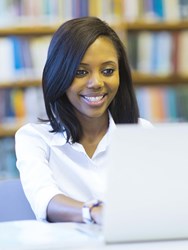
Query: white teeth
{"points": [[93, 98]]}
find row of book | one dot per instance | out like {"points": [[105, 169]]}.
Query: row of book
{"points": [[156, 10], [22, 56], [159, 52], [21, 105], [157, 104], [54, 11], [163, 104], [149, 52], [8, 158]]}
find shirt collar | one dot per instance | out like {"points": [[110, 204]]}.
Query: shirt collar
{"points": [[59, 139], [103, 144]]}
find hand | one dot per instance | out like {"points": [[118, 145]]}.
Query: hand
{"points": [[96, 214]]}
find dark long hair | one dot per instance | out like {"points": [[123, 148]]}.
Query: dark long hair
{"points": [[67, 48]]}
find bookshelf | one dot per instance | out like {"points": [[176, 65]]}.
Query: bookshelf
{"points": [[28, 30], [166, 92], [155, 26]]}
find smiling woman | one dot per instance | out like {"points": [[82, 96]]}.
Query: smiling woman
{"points": [[96, 82], [87, 89]]}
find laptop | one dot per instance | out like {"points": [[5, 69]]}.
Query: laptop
{"points": [[147, 184]]}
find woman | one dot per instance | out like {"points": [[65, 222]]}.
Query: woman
{"points": [[87, 89]]}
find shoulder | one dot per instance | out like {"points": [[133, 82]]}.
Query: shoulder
{"points": [[39, 131], [144, 123], [32, 129]]}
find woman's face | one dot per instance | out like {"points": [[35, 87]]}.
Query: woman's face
{"points": [[96, 81]]}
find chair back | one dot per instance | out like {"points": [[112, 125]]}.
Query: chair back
{"points": [[14, 204]]}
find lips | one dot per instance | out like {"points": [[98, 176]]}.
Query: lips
{"points": [[93, 99]]}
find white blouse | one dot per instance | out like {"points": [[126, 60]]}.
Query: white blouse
{"points": [[49, 166]]}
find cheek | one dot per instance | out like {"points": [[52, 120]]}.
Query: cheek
{"points": [[72, 90], [76, 87], [71, 95], [114, 84]]}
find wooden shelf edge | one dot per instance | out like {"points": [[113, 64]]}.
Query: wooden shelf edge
{"points": [[21, 83], [140, 79], [8, 131], [28, 30], [155, 26], [42, 29]]}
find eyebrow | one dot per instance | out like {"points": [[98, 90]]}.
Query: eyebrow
{"points": [[107, 62]]}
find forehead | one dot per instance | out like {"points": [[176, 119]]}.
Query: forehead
{"points": [[100, 48]]}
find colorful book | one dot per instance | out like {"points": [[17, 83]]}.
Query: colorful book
{"points": [[182, 67], [7, 69], [145, 52], [158, 9], [171, 10]]}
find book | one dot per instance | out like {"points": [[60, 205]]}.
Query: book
{"points": [[132, 11], [182, 103], [158, 9], [171, 104], [144, 102], [175, 48], [132, 49], [18, 103], [171, 10], [148, 10], [157, 104], [8, 158], [182, 65], [84, 7], [145, 52], [39, 48], [183, 9], [37, 109], [7, 69], [95, 8], [162, 53]]}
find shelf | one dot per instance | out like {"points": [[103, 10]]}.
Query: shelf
{"points": [[21, 84], [40, 29], [28, 30], [155, 26], [9, 130], [140, 79]]}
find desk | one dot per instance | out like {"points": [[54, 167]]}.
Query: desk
{"points": [[35, 235]]}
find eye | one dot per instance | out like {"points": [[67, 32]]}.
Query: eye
{"points": [[108, 72], [81, 73]]}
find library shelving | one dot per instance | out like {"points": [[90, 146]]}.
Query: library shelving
{"points": [[155, 26], [140, 78], [158, 57], [155, 34]]}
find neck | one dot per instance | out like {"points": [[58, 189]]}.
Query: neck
{"points": [[94, 126], [93, 131]]}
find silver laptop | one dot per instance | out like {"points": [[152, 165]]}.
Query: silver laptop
{"points": [[147, 180]]}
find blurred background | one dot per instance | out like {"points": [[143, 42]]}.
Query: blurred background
{"points": [[155, 34]]}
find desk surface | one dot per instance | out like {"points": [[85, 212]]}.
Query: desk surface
{"points": [[35, 235]]}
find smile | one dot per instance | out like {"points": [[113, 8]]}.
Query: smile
{"points": [[94, 100]]}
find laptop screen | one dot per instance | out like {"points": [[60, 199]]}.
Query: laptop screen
{"points": [[147, 184]]}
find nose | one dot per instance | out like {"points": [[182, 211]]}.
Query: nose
{"points": [[95, 81]]}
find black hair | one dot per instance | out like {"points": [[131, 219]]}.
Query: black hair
{"points": [[67, 48]]}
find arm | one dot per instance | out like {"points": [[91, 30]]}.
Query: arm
{"points": [[46, 198], [65, 209]]}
